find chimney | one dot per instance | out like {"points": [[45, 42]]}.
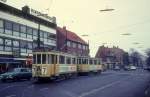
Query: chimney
{"points": [[26, 9], [64, 27]]}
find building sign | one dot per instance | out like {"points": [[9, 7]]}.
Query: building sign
{"points": [[4, 1], [42, 16]]}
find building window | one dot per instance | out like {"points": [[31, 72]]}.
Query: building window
{"points": [[8, 28], [16, 43], [68, 43], [34, 45], [79, 46], [83, 47], [74, 45], [8, 42], [1, 41], [1, 26], [23, 44], [23, 50], [29, 45], [35, 32], [23, 29], [1, 47], [29, 51], [7, 48], [45, 34], [8, 25], [23, 35], [16, 27]]}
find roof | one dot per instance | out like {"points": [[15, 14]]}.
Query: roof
{"points": [[9, 9], [71, 35]]}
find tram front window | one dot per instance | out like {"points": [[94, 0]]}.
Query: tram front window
{"points": [[38, 58]]}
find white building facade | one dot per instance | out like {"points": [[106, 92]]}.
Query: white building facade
{"points": [[19, 34]]}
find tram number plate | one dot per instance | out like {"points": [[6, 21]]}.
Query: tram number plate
{"points": [[44, 71]]}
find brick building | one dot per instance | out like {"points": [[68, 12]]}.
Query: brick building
{"points": [[70, 42], [112, 56]]}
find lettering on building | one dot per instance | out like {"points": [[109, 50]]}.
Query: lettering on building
{"points": [[43, 16]]}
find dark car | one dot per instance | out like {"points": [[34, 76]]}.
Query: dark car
{"points": [[16, 74]]}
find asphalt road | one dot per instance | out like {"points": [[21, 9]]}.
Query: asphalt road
{"points": [[108, 84]]}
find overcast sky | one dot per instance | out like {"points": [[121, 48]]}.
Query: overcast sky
{"points": [[84, 17]]}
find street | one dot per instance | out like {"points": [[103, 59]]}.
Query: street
{"points": [[108, 84]]}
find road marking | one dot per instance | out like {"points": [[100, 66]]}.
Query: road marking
{"points": [[43, 89], [101, 88], [9, 87], [11, 96]]}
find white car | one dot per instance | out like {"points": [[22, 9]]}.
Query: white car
{"points": [[132, 68]]}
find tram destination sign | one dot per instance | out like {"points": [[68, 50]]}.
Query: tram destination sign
{"points": [[42, 16]]}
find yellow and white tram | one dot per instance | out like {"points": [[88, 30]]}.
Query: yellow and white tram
{"points": [[53, 64]]}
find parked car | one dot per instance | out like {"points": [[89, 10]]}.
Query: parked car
{"points": [[16, 74], [127, 68], [117, 68], [147, 68], [132, 68]]}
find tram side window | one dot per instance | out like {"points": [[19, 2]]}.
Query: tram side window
{"points": [[95, 62], [68, 60], [38, 58], [79, 61], [54, 59], [61, 59], [99, 62], [34, 59], [91, 62], [73, 60], [43, 58], [84, 61], [49, 59]]}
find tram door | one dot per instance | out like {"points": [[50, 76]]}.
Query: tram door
{"points": [[53, 63]]}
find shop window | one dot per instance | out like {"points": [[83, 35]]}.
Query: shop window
{"points": [[41, 34]]}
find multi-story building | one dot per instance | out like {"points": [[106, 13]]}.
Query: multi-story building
{"points": [[20, 32], [111, 56], [70, 42]]}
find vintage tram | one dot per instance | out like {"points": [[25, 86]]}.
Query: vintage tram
{"points": [[54, 64]]}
